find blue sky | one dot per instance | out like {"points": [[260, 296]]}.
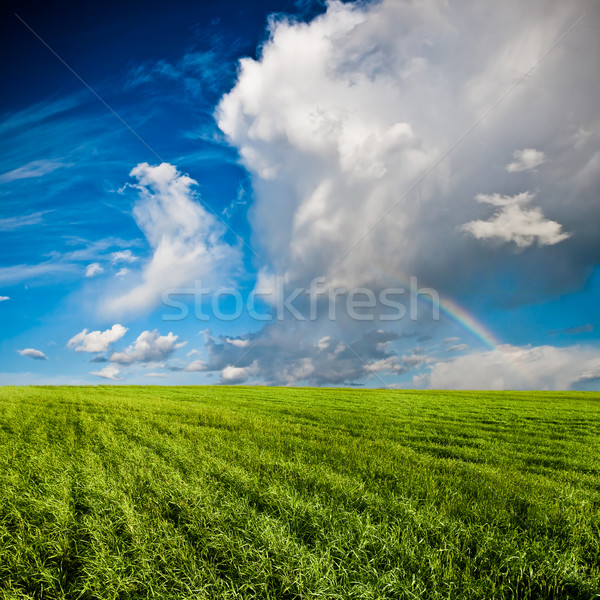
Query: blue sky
{"points": [[188, 193]]}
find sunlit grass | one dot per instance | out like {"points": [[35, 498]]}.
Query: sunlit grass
{"points": [[192, 492]]}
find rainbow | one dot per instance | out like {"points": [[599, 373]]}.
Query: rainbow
{"points": [[470, 323], [461, 317], [475, 327]]}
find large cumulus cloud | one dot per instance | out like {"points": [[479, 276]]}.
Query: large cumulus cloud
{"points": [[372, 134], [350, 117]]}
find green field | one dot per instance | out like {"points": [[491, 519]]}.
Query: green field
{"points": [[233, 492]]}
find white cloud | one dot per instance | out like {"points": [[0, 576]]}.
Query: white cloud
{"points": [[239, 342], [17, 273], [391, 364], [13, 223], [515, 367], [502, 200], [63, 264], [36, 168], [196, 365], [186, 239], [232, 375], [123, 272], [96, 341], [581, 137], [324, 343], [149, 346], [125, 256], [33, 353], [4, 298], [457, 348], [347, 118], [93, 269], [155, 374], [324, 137], [526, 160], [512, 223], [108, 372]]}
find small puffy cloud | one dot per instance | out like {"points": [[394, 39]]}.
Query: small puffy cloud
{"points": [[93, 269], [515, 367], [391, 364], [513, 223], [4, 298], [125, 256], [149, 346], [526, 160], [96, 341], [108, 372], [155, 374], [33, 353], [123, 272], [196, 365], [186, 239], [235, 375], [324, 343]]}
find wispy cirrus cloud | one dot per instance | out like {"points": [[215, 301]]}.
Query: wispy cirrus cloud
{"points": [[13, 223], [587, 328], [65, 264], [17, 273], [36, 168], [457, 348], [39, 113], [196, 71]]}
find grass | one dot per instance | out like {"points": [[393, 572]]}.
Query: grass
{"points": [[192, 492]]}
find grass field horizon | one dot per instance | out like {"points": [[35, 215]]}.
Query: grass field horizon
{"points": [[113, 492]]}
